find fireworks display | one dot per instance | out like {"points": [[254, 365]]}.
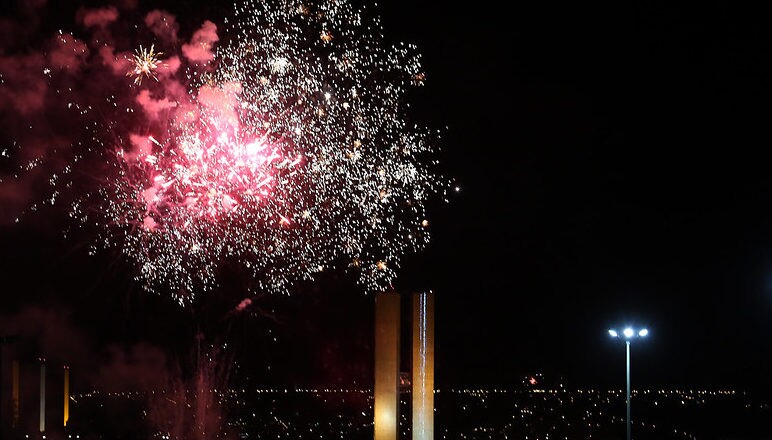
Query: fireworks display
{"points": [[277, 142]]}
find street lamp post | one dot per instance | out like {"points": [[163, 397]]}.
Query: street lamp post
{"points": [[628, 333]]}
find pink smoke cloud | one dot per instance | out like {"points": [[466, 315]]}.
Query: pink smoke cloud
{"points": [[163, 25], [67, 53], [153, 107], [140, 147], [129, 5], [142, 367], [169, 66], [97, 17], [176, 90], [14, 198], [187, 113], [221, 102], [23, 87], [119, 64], [200, 47]]}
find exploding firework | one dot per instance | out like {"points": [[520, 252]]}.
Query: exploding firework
{"points": [[145, 63], [278, 144]]}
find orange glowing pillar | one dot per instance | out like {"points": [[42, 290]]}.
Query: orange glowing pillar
{"points": [[66, 394], [423, 366], [15, 394], [387, 334]]}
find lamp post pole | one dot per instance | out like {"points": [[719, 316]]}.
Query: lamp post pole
{"points": [[629, 430], [628, 334]]}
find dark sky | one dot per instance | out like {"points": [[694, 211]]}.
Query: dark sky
{"points": [[614, 168], [614, 164]]}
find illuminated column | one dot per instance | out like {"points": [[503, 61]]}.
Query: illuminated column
{"points": [[387, 333], [15, 394], [66, 394], [42, 395], [423, 366]]}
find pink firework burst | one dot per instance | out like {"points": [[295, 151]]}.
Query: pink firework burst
{"points": [[210, 167]]}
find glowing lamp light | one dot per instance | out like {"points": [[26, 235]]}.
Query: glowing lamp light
{"points": [[629, 333]]}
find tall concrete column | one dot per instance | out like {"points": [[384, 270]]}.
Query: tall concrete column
{"points": [[387, 335], [423, 366]]}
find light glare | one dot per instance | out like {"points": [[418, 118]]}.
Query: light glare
{"points": [[643, 332], [613, 333], [628, 332]]}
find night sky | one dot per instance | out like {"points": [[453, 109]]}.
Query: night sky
{"points": [[614, 169]]}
